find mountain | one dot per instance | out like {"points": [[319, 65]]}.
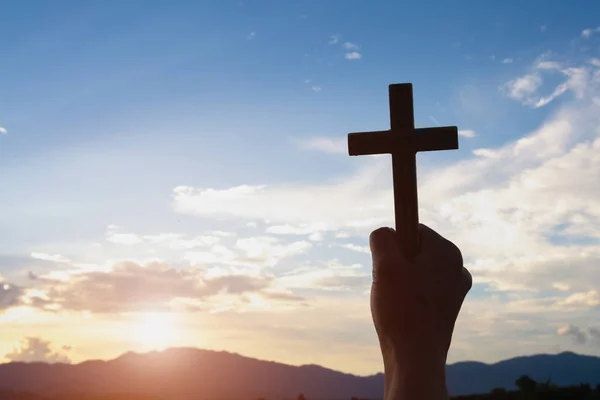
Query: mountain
{"points": [[185, 374]]}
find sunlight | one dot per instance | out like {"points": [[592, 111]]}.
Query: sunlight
{"points": [[156, 330]]}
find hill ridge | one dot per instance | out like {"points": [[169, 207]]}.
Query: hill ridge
{"points": [[183, 373]]}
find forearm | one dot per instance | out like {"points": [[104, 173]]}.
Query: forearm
{"points": [[418, 377]]}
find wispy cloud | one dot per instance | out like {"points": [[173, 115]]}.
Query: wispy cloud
{"points": [[434, 120], [325, 144], [589, 299], [507, 61], [353, 56], [3, 131], [114, 236], [548, 65], [334, 39], [526, 88], [543, 28], [359, 249], [133, 287], [587, 33], [523, 87], [350, 46], [316, 88], [595, 62], [468, 133], [50, 257], [251, 35]]}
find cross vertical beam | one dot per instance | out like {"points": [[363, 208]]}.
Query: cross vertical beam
{"points": [[404, 170]]}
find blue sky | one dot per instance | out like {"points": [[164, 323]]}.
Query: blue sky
{"points": [[204, 142]]}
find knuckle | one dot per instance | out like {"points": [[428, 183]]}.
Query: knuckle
{"points": [[453, 253]]}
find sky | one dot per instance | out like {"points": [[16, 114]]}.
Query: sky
{"points": [[176, 174]]}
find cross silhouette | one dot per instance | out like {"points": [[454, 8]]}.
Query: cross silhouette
{"points": [[403, 142]]}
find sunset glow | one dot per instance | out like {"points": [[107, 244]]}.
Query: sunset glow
{"points": [[155, 331]]}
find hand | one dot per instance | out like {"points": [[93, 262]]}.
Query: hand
{"points": [[414, 307]]}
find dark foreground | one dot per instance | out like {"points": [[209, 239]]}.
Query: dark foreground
{"points": [[528, 390]]}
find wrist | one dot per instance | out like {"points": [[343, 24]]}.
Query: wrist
{"points": [[415, 376]]}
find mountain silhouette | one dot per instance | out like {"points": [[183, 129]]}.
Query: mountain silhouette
{"points": [[187, 373]]}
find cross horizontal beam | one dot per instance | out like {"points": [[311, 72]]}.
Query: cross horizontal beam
{"points": [[423, 139]]}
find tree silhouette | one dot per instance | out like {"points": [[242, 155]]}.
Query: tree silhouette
{"points": [[527, 387], [526, 384], [498, 394]]}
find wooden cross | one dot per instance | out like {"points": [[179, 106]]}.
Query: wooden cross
{"points": [[403, 141]]}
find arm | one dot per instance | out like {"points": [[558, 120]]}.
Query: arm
{"points": [[414, 306]]}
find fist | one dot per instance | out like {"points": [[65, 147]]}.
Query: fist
{"points": [[415, 303]]}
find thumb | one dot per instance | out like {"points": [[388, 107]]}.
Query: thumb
{"points": [[386, 253]]}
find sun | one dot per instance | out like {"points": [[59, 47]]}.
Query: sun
{"points": [[156, 330]]}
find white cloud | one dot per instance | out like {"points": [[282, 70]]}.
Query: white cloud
{"points": [[586, 299], [560, 286], [223, 233], [353, 56], [330, 145], [316, 88], [316, 237], [247, 255], [595, 62], [350, 46], [354, 204], [522, 87], [468, 133], [50, 257], [3, 131], [587, 33], [33, 349], [574, 332], [332, 276], [128, 239], [177, 241], [313, 231], [507, 61], [167, 240], [333, 39], [353, 247], [287, 229], [267, 251]]}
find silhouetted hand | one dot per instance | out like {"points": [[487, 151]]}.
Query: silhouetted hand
{"points": [[415, 306]]}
